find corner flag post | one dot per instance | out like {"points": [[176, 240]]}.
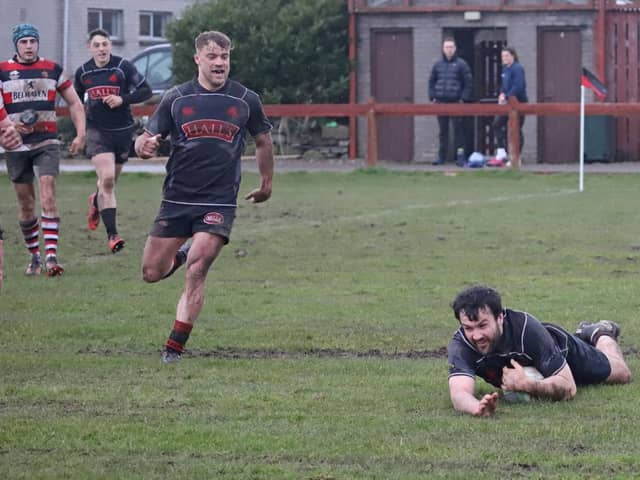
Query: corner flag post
{"points": [[581, 159], [588, 80]]}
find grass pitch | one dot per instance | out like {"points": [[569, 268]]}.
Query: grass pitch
{"points": [[320, 351]]}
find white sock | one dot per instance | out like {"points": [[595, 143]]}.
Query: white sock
{"points": [[501, 154]]}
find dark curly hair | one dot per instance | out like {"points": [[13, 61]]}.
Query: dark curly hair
{"points": [[474, 299]]}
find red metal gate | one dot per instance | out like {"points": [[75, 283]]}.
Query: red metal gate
{"points": [[623, 75]]}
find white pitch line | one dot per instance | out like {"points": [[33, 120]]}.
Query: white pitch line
{"points": [[389, 211]]}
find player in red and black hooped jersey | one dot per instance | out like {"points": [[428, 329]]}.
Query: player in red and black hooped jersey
{"points": [[207, 119], [108, 84], [29, 86], [495, 344]]}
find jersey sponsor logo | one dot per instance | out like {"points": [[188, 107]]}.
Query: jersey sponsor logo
{"points": [[14, 75], [30, 92], [213, 218], [96, 93], [208, 128]]}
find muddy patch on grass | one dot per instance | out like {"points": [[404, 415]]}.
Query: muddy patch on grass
{"points": [[245, 353]]}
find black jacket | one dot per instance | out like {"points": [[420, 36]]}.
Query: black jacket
{"points": [[451, 81]]}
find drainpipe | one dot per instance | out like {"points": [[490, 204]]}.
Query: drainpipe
{"points": [[601, 40], [353, 124], [65, 36]]}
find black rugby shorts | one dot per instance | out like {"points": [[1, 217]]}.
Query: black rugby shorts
{"points": [[176, 220], [20, 165], [103, 141]]}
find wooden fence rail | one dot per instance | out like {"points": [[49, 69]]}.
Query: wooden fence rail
{"points": [[372, 110]]}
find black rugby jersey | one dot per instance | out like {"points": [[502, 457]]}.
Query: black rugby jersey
{"points": [[525, 339], [207, 140], [33, 86], [118, 77]]}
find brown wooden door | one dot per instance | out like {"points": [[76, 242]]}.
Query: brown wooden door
{"points": [[623, 77], [392, 81], [559, 71]]}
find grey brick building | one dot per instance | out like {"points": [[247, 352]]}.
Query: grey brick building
{"points": [[402, 39]]}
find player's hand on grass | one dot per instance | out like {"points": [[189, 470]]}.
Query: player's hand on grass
{"points": [[258, 195], [487, 405]]}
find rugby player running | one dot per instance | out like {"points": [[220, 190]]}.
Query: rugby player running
{"points": [[30, 85], [108, 84], [207, 119]]}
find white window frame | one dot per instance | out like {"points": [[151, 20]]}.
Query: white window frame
{"points": [[165, 18], [115, 33]]}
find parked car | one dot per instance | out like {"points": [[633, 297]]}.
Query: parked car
{"points": [[155, 64]]}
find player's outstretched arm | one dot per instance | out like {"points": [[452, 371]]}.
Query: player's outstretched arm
{"points": [[264, 158], [560, 386], [461, 390]]}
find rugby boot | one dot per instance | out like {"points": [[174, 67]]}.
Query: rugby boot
{"points": [[591, 332], [116, 243], [53, 268], [93, 217], [35, 265], [170, 356]]}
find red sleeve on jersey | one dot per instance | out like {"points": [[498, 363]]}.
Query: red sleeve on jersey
{"points": [[64, 85]]}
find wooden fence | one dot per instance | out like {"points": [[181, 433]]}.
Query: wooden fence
{"points": [[372, 110]]}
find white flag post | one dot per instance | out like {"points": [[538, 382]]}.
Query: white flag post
{"points": [[581, 159]]}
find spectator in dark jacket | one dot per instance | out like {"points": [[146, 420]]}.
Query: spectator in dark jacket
{"points": [[450, 82], [514, 84]]}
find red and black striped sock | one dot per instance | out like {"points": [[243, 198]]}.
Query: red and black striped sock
{"points": [[50, 229], [179, 336], [31, 234]]}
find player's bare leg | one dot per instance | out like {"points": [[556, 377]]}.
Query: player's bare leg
{"points": [[107, 172], [204, 250], [620, 372], [159, 256]]}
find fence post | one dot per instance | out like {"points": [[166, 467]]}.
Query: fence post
{"points": [[513, 134], [372, 135]]}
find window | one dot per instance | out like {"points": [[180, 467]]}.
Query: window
{"points": [[153, 24], [109, 20]]}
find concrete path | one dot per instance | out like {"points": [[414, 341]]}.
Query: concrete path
{"points": [[156, 165]]}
